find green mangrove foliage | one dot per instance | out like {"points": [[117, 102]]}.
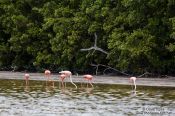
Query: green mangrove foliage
{"points": [[137, 35]]}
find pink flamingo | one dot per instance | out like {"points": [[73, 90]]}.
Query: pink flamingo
{"points": [[65, 74], [47, 74], [89, 79], [27, 78], [133, 81]]}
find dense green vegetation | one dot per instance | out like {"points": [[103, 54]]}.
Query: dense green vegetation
{"points": [[138, 35]]}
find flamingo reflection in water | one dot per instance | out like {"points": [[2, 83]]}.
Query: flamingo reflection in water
{"points": [[50, 85], [65, 74]]}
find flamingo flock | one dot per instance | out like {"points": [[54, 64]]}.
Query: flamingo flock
{"points": [[68, 74], [63, 75]]}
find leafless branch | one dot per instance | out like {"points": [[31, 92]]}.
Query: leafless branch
{"points": [[107, 68], [95, 48], [95, 43], [110, 68], [146, 73], [153, 75]]}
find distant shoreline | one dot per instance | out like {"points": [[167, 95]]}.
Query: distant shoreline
{"points": [[102, 79]]}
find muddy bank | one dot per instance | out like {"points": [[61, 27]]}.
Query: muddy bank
{"points": [[166, 82]]}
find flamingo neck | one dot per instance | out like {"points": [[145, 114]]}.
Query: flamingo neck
{"points": [[72, 82]]}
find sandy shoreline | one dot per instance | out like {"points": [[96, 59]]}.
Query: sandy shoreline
{"points": [[164, 82]]}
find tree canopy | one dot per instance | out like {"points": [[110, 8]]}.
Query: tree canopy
{"points": [[136, 36]]}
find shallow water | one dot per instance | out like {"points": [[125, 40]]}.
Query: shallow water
{"points": [[41, 99]]}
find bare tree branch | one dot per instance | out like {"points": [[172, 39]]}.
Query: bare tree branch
{"points": [[95, 48], [107, 68], [146, 73], [95, 43]]}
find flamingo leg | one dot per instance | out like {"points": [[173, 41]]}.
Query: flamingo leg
{"points": [[59, 84], [134, 86], [65, 84], [46, 82], [62, 83], [131, 85], [87, 83], [53, 84], [81, 85], [90, 82], [49, 77], [27, 82]]}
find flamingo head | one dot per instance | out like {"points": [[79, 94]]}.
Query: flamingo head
{"points": [[62, 76]]}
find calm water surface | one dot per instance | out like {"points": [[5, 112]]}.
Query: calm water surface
{"points": [[41, 99]]}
